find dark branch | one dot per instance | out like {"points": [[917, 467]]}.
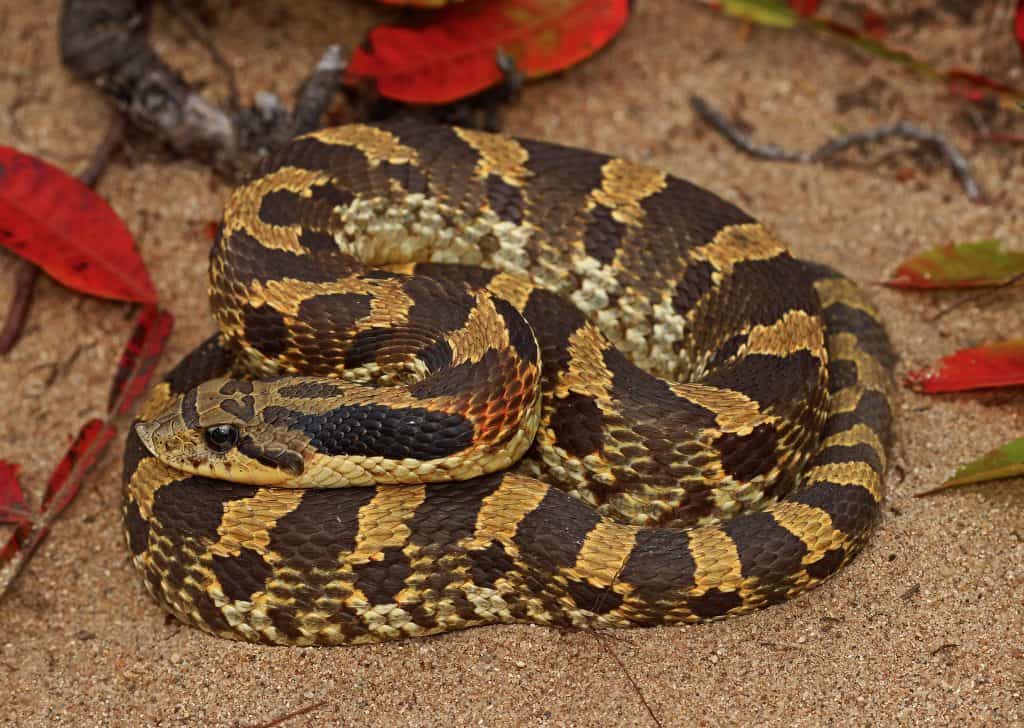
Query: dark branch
{"points": [[741, 140], [105, 42]]}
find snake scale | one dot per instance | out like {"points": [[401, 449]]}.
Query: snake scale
{"points": [[465, 379]]}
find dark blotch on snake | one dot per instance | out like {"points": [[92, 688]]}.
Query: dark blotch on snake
{"points": [[391, 432], [766, 550], [578, 424], [243, 575]]}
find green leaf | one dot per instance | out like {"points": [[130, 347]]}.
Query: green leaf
{"points": [[1006, 462], [963, 265], [773, 13]]}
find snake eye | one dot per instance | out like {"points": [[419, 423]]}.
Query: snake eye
{"points": [[221, 438]]}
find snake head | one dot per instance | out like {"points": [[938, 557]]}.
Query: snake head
{"points": [[215, 430]]}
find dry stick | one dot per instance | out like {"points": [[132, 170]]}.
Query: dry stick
{"points": [[979, 296], [26, 273], [24, 283], [957, 162], [599, 636], [203, 38], [294, 714]]}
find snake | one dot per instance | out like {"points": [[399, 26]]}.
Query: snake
{"points": [[462, 378]]}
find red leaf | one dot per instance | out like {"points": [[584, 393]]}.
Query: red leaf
{"points": [[807, 8], [139, 359], [995, 365], [67, 477], [874, 23], [455, 56], [12, 500], [1018, 26], [68, 230]]}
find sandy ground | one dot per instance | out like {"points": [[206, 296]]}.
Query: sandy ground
{"points": [[925, 628]]}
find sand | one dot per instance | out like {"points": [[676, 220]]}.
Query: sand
{"points": [[926, 627]]}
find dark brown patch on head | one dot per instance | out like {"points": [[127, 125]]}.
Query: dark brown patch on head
{"points": [[504, 199], [244, 410], [136, 528], [274, 456], [578, 425], [745, 457], [241, 576], [550, 536], [236, 386], [189, 413], [766, 550], [714, 603], [603, 234], [381, 580], [520, 335]]}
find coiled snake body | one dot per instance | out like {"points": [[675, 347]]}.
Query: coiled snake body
{"points": [[464, 379]]}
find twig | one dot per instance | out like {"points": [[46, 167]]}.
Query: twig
{"points": [[288, 716], [203, 39], [978, 296], [104, 151], [629, 677], [24, 283], [26, 273], [741, 140]]}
